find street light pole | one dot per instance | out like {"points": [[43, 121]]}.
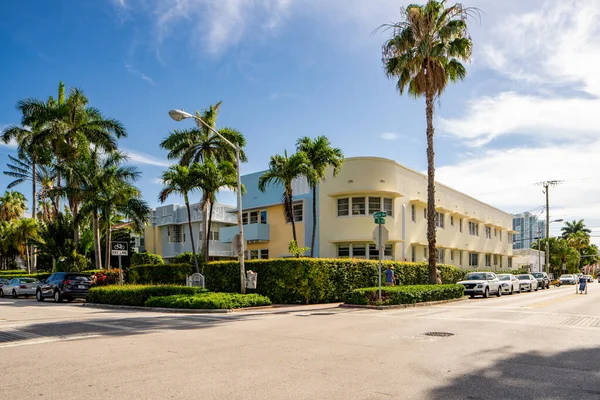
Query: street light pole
{"points": [[180, 115]]}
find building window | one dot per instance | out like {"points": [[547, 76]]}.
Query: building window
{"points": [[501, 235], [488, 232], [413, 213], [358, 206], [254, 217], [495, 232], [343, 250], [452, 255], [495, 259], [343, 206], [425, 253], [245, 218], [473, 228], [174, 233], [374, 251], [460, 258], [253, 254], [460, 225], [413, 255], [359, 250], [374, 205], [297, 210], [509, 262], [473, 259], [183, 237], [213, 235], [451, 220], [509, 237], [439, 220], [388, 206], [488, 260], [440, 254], [263, 217]]}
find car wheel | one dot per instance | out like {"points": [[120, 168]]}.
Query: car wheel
{"points": [[1, 293], [499, 292], [548, 285], [486, 294], [530, 289], [14, 294], [57, 298], [512, 289], [38, 296], [472, 296], [536, 288]]}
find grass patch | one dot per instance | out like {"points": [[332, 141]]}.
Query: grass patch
{"points": [[136, 295], [393, 295], [209, 301]]}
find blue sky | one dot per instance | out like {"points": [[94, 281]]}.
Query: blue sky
{"points": [[288, 68]]}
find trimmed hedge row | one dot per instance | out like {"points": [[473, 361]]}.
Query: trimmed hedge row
{"points": [[24, 274], [161, 274], [221, 301], [392, 295], [136, 295]]}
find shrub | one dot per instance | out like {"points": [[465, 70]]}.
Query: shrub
{"points": [[314, 280], [136, 295], [404, 294], [145, 259], [209, 301], [24, 274], [160, 274], [103, 277]]}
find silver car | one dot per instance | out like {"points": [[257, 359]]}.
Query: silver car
{"points": [[528, 282], [19, 287], [509, 283], [481, 283]]}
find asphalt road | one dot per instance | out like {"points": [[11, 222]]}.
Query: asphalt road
{"points": [[543, 345]]}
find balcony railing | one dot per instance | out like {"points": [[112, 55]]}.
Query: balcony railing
{"points": [[252, 233]]}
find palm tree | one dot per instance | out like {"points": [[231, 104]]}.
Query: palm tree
{"points": [[12, 205], [182, 180], [24, 230], [321, 156], [424, 53], [574, 227], [578, 240], [283, 170], [212, 178]]}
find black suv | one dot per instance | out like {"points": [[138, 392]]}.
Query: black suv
{"points": [[543, 279], [64, 285]]}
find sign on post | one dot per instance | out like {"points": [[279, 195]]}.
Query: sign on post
{"points": [[119, 249], [384, 236], [379, 214], [380, 221]]}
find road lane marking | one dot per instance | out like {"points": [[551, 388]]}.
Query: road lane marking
{"points": [[103, 325], [550, 302]]}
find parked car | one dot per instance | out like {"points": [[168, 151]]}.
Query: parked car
{"points": [[543, 279], [567, 279], [64, 286], [19, 287], [3, 282], [528, 282], [509, 283], [589, 278], [481, 283]]}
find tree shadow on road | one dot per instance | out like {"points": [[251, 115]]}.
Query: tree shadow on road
{"points": [[572, 374]]}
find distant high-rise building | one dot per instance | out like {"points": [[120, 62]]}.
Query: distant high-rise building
{"points": [[530, 227]]}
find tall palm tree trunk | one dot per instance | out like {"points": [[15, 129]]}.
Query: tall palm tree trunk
{"points": [[108, 240], [314, 227], [290, 207], [207, 237], [431, 191], [204, 226], [97, 246], [57, 201], [187, 205], [34, 207]]}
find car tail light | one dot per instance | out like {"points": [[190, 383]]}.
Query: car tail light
{"points": [[66, 282], [23, 287]]}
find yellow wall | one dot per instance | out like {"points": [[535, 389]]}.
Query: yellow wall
{"points": [[280, 233], [152, 239]]}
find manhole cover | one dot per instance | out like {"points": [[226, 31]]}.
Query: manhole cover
{"points": [[439, 334]]}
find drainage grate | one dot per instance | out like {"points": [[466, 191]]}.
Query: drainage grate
{"points": [[439, 334]]}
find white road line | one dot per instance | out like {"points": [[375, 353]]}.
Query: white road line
{"points": [[47, 340], [103, 325]]}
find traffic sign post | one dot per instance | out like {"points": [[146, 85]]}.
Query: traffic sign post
{"points": [[380, 237], [119, 249]]}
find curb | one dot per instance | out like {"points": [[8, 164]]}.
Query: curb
{"points": [[157, 309], [396, 306]]}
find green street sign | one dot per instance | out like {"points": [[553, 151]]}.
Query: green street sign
{"points": [[379, 214], [380, 221]]}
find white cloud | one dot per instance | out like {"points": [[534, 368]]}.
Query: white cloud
{"points": [[145, 159], [389, 136], [139, 74]]}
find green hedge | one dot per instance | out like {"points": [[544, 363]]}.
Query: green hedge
{"points": [[24, 274], [136, 295], [163, 274], [145, 259], [391, 295], [209, 301]]}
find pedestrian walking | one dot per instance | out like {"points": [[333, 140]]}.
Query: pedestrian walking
{"points": [[582, 284], [389, 276]]}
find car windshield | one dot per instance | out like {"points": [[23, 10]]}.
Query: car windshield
{"points": [[83, 278], [504, 277], [538, 274], [523, 277], [28, 280], [475, 276], [566, 276]]}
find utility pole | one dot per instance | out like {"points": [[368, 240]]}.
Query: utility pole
{"points": [[546, 186], [539, 249]]}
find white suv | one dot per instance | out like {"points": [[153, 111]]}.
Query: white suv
{"points": [[481, 283]]}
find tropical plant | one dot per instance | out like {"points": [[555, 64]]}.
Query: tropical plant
{"points": [[321, 155], [23, 231], [560, 254], [424, 54], [589, 255], [578, 240], [182, 180], [573, 227], [296, 251], [12, 205], [283, 170]]}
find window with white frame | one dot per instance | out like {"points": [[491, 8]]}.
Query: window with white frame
{"points": [[473, 228], [174, 233], [488, 232], [440, 254], [439, 219], [413, 213], [488, 260], [451, 220], [460, 225], [460, 261], [495, 232], [495, 259], [510, 262], [509, 237], [413, 254], [388, 206], [258, 254], [374, 205], [452, 255], [359, 250], [263, 217], [254, 217], [343, 207], [253, 255], [297, 210], [374, 251], [358, 206], [425, 253], [263, 254], [473, 259], [343, 250]]}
